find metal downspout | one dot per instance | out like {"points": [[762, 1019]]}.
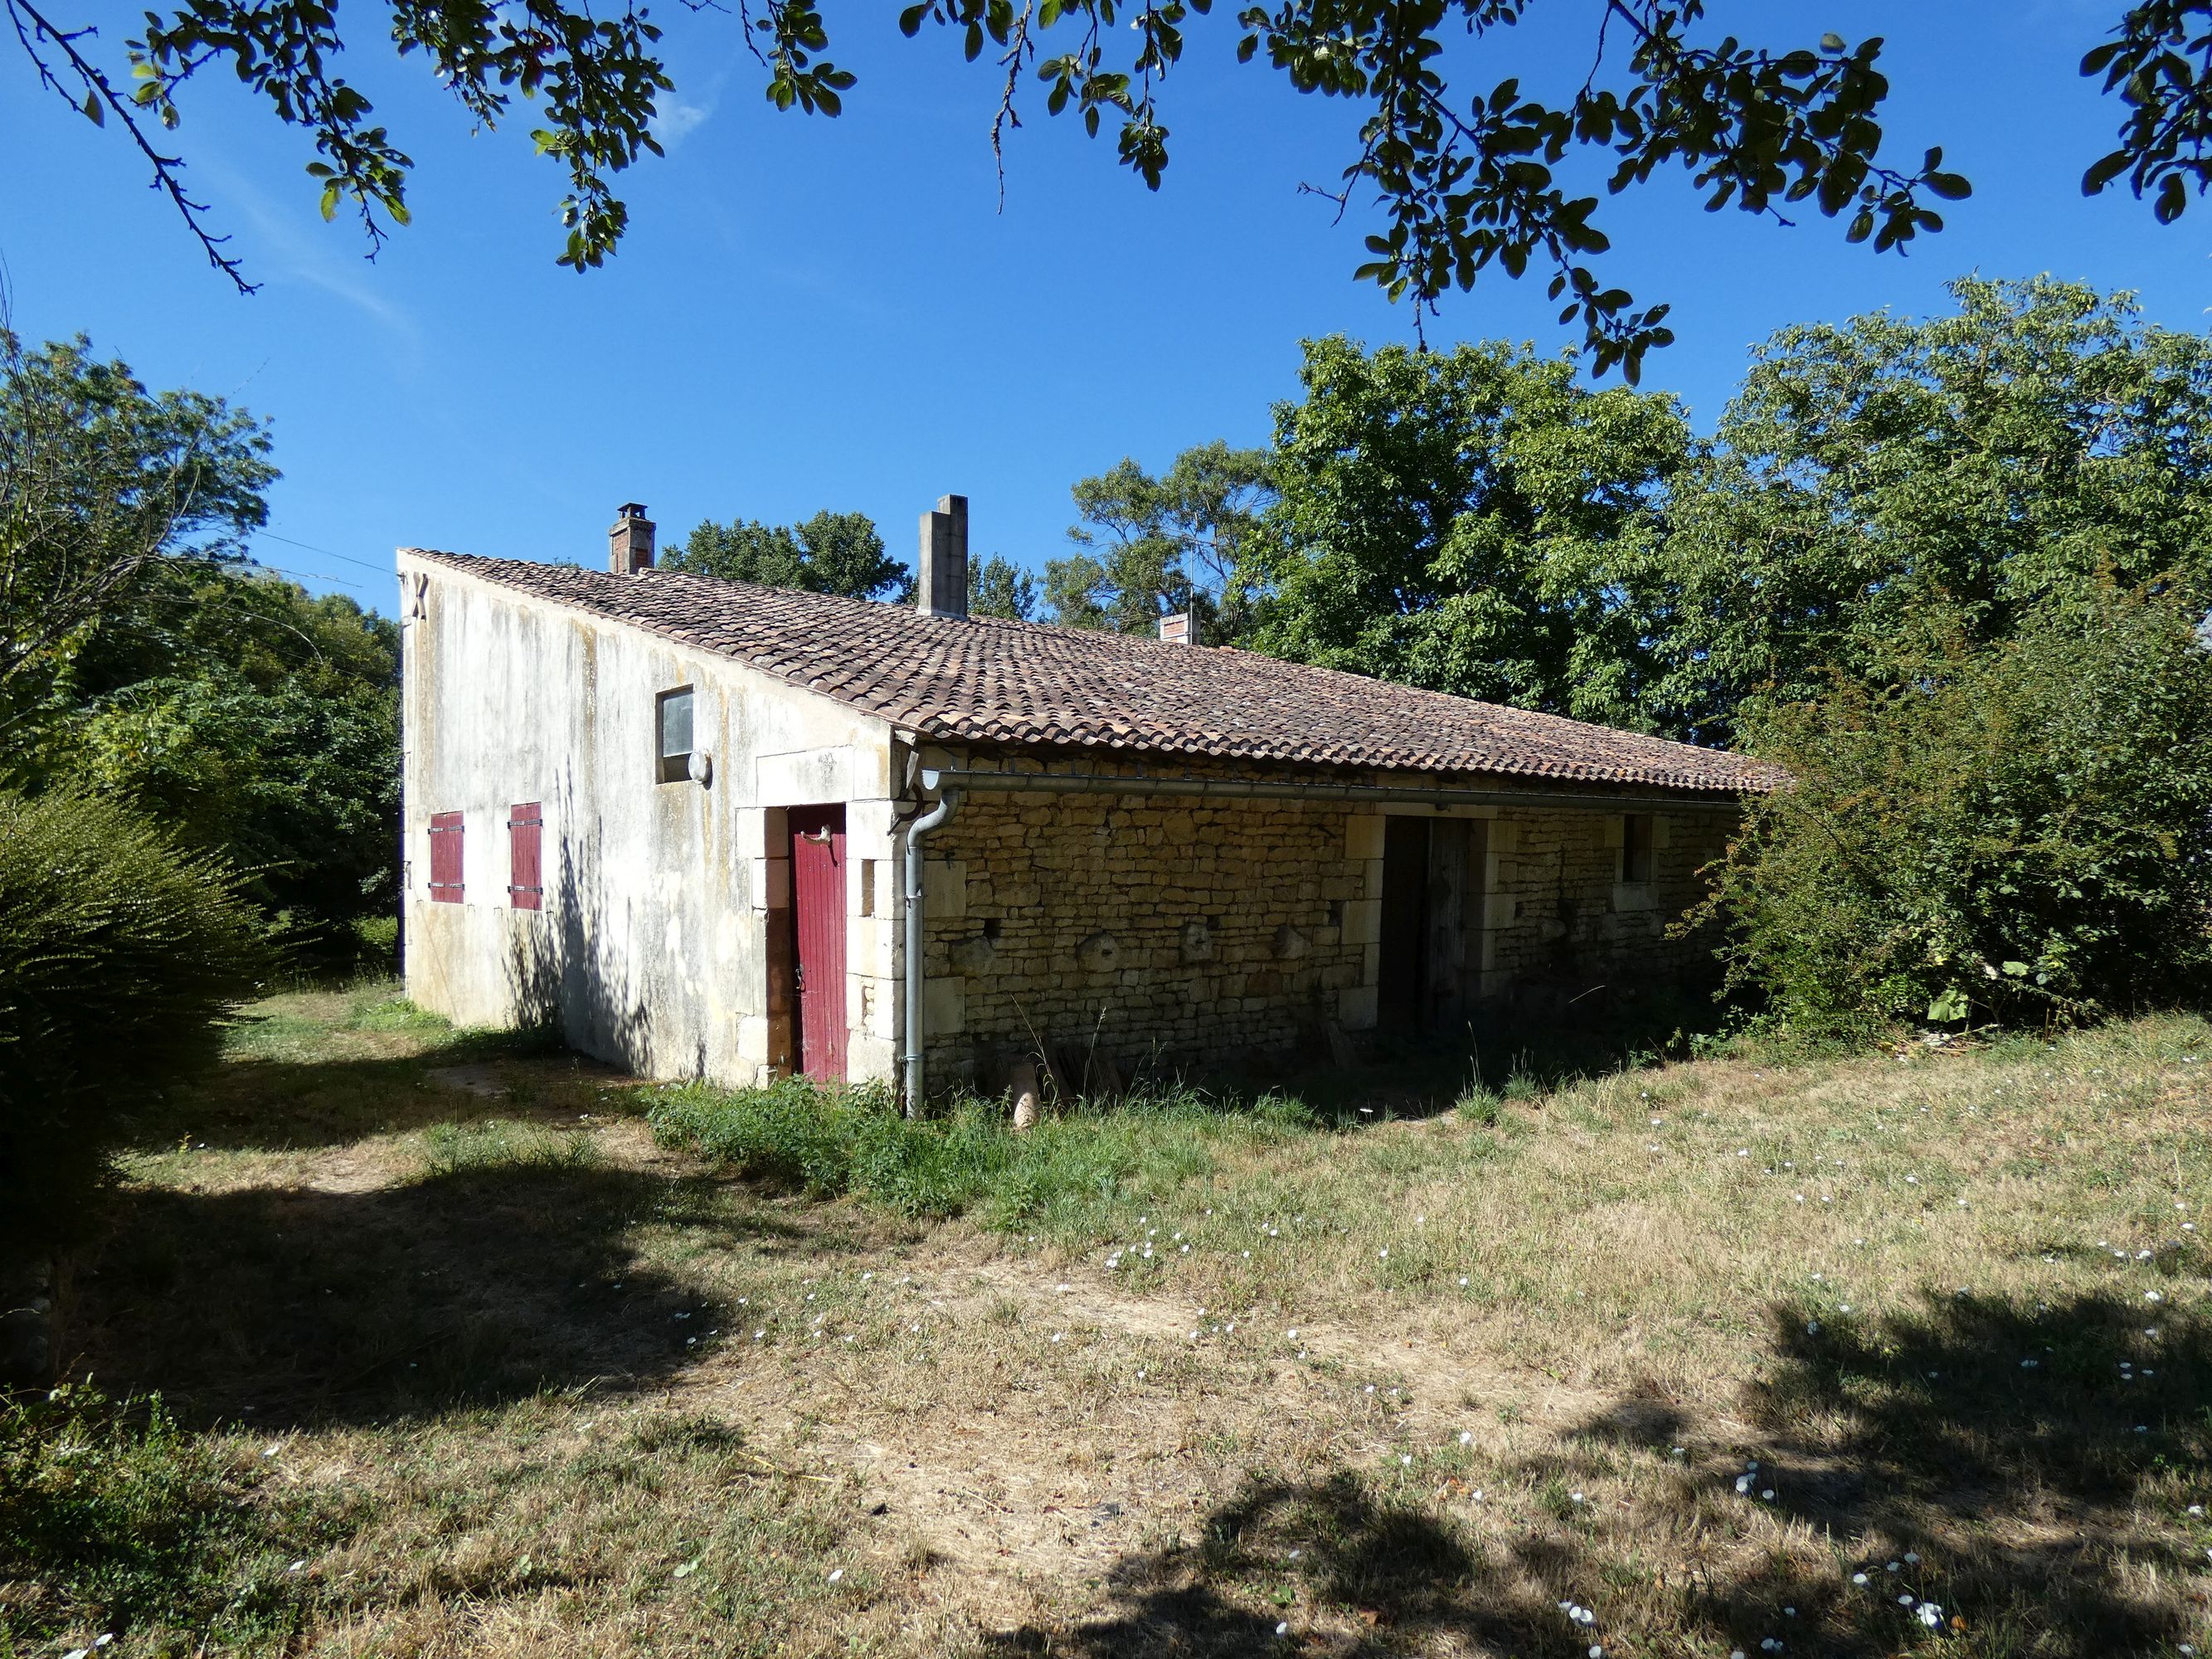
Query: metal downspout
{"points": [[912, 1080]]}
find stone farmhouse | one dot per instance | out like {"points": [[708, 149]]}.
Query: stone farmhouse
{"points": [[719, 830]]}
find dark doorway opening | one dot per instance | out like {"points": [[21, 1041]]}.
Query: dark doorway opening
{"points": [[1429, 971], [1402, 973]]}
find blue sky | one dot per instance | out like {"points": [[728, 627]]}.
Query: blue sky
{"points": [[812, 314]]}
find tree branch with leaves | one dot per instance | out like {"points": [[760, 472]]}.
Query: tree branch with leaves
{"points": [[1466, 175]]}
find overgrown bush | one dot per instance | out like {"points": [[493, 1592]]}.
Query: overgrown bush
{"points": [[830, 1141], [118, 955], [112, 1519], [2017, 833]]}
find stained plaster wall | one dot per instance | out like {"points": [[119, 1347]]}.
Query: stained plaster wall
{"points": [[665, 903]]}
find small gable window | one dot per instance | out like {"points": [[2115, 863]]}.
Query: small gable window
{"points": [[675, 732], [1636, 844]]}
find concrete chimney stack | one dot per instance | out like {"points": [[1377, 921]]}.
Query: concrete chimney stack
{"points": [[629, 541], [942, 589], [1177, 630]]}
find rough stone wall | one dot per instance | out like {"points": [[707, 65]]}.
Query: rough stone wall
{"points": [[1163, 928], [1559, 917], [1169, 930]]}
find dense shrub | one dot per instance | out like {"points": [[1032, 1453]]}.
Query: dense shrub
{"points": [[118, 955], [2020, 833], [830, 1141]]}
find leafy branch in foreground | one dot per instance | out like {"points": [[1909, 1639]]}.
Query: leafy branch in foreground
{"points": [[1465, 175]]}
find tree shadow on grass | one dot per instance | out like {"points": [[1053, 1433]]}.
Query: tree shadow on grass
{"points": [[279, 1308], [258, 1105], [2041, 1483], [1394, 1575], [2044, 1509]]}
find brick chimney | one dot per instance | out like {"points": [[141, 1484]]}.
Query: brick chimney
{"points": [[629, 541], [1177, 630], [942, 589]]}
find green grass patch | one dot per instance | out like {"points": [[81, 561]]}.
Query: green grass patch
{"points": [[498, 1143], [1064, 1173], [112, 1519]]}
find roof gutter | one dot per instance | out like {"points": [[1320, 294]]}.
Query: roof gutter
{"points": [[1093, 783]]}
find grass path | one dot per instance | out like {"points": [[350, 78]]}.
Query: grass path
{"points": [[463, 1359]]}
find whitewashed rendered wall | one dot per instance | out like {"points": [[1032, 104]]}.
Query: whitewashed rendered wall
{"points": [[654, 945]]}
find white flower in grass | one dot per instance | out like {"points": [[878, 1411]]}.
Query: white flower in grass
{"points": [[837, 1574], [1283, 1629], [1466, 1438], [1911, 1560]]}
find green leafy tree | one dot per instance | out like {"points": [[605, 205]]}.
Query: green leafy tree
{"points": [[1462, 520], [100, 482], [2016, 832], [998, 587], [1888, 474], [140, 657], [829, 553], [1153, 546], [1466, 172], [251, 719]]}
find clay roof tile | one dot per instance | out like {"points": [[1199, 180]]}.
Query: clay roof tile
{"points": [[983, 678]]}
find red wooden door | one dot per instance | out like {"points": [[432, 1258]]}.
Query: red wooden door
{"points": [[818, 915]]}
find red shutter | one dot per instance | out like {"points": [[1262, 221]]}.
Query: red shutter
{"points": [[445, 857], [526, 829]]}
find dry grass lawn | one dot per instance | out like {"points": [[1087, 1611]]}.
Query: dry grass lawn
{"points": [[1906, 1352]]}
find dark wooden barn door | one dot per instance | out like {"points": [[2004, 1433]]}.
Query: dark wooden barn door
{"points": [[818, 915], [1402, 977]]}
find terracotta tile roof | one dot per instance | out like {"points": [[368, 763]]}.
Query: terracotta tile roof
{"points": [[984, 680]]}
